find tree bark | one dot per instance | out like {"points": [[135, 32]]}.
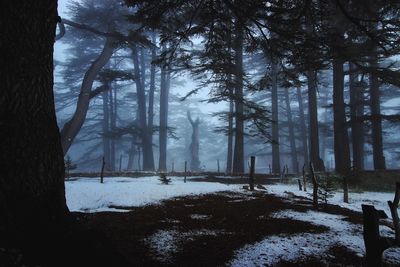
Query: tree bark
{"points": [[292, 138], [148, 163], [32, 195], [72, 127], [303, 132], [164, 92], [106, 130], [376, 123], [276, 162], [149, 130], [238, 154], [313, 121], [356, 113], [195, 144], [341, 141], [230, 136], [150, 119]]}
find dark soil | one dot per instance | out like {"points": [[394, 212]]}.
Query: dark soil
{"points": [[236, 218]]}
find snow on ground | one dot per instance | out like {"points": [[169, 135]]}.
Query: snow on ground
{"points": [[165, 243], [378, 199], [89, 195], [297, 247]]}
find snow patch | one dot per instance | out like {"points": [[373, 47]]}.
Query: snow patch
{"points": [[274, 249], [165, 243], [89, 195]]}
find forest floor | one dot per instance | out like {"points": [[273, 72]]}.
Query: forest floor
{"points": [[233, 228]]}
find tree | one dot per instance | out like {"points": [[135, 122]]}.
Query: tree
{"points": [[164, 96], [32, 197], [195, 144]]}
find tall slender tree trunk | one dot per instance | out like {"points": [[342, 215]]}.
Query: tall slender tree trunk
{"points": [[313, 121], [238, 154], [230, 136], [150, 119], [356, 114], [112, 129], [303, 131], [131, 154], [149, 130], [72, 127], [292, 137], [164, 92], [276, 162], [106, 129], [32, 196], [376, 119], [148, 163], [195, 144], [341, 141]]}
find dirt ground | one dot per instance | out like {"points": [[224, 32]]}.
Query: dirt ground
{"points": [[224, 221]]}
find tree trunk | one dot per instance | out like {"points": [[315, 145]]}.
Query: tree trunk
{"points": [[164, 92], [276, 163], [230, 136], [292, 138], [73, 126], [106, 129], [194, 146], [32, 196], [356, 114], [131, 154], [376, 119], [149, 130], [148, 162], [113, 126], [341, 141], [303, 132], [313, 121], [150, 119], [238, 154]]}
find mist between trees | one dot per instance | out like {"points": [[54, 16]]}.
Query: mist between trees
{"points": [[152, 84]]}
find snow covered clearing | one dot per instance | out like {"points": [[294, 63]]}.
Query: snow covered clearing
{"points": [[89, 195], [378, 199]]}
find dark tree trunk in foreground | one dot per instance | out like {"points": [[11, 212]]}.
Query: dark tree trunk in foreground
{"points": [[292, 138], [356, 114], [341, 141], [313, 121], [303, 132], [238, 153], [276, 162], [32, 197], [72, 127], [376, 123], [194, 145]]}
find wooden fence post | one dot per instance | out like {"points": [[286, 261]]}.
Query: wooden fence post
{"points": [[120, 163], [304, 178], [252, 168], [184, 180], [315, 185], [395, 216], [102, 170], [299, 182]]}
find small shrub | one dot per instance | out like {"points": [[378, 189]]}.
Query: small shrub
{"points": [[164, 179]]}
